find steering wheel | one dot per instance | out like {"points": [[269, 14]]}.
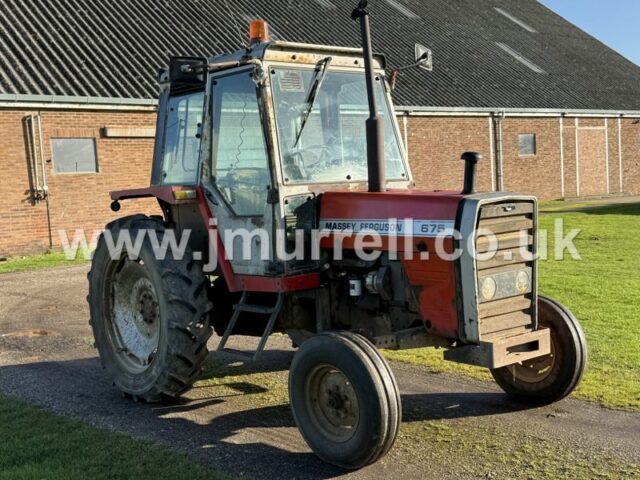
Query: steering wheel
{"points": [[297, 160]]}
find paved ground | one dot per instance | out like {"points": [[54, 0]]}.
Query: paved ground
{"points": [[451, 425]]}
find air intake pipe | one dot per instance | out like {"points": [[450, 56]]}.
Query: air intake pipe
{"points": [[471, 159]]}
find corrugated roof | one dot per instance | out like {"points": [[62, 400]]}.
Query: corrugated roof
{"points": [[98, 48]]}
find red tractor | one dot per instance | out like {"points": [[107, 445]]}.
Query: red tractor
{"points": [[288, 206]]}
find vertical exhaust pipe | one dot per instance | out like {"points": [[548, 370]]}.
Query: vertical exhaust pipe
{"points": [[471, 160], [374, 126]]}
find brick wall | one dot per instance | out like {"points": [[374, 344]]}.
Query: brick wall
{"points": [[612, 137], [76, 200], [435, 146], [569, 147], [592, 158], [538, 174], [631, 155]]}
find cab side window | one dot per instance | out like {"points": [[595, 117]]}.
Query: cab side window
{"points": [[181, 153], [239, 150]]}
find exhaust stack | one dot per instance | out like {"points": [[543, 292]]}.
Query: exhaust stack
{"points": [[471, 159], [374, 126]]}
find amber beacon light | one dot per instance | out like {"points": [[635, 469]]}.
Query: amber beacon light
{"points": [[258, 31]]}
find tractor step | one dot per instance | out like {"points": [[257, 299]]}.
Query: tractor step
{"points": [[254, 309], [243, 306]]}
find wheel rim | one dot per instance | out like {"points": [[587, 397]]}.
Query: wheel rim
{"points": [[332, 403], [536, 370], [134, 316], [540, 371]]}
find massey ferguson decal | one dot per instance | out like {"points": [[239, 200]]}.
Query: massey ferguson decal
{"points": [[400, 228]]}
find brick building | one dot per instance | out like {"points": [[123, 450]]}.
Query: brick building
{"points": [[555, 112]]}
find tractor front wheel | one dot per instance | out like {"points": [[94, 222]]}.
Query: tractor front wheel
{"points": [[150, 315], [547, 379], [344, 399]]}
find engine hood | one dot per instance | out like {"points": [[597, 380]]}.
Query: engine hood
{"points": [[426, 213]]}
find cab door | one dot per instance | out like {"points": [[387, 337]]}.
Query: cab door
{"points": [[241, 172]]}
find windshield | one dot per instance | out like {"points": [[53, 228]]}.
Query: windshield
{"points": [[332, 146]]}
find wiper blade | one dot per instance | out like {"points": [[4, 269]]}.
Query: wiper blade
{"points": [[318, 76]]}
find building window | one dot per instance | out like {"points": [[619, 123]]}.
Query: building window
{"points": [[74, 155], [527, 144]]}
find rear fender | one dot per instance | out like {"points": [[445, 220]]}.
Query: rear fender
{"points": [[179, 207]]}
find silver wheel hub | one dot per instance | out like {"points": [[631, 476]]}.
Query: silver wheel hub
{"points": [[136, 316]]}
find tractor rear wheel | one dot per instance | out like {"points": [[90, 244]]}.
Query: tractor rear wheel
{"points": [[150, 316], [547, 379], [344, 399]]}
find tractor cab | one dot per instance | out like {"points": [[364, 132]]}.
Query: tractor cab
{"points": [[267, 130]]}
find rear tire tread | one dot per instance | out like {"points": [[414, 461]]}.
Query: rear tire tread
{"points": [[186, 345]]}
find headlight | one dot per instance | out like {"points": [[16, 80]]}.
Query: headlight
{"points": [[488, 289], [522, 282]]}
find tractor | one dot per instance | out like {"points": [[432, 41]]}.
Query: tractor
{"points": [[288, 207]]}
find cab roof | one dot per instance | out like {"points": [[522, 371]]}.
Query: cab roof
{"points": [[303, 53]]}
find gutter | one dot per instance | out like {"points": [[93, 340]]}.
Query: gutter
{"points": [[64, 102], [511, 112]]}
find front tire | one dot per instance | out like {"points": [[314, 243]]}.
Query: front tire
{"points": [[150, 316], [344, 399], [550, 378]]}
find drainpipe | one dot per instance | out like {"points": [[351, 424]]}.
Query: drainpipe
{"points": [[620, 185], [577, 125], [606, 153], [406, 133], [45, 187], [34, 158], [562, 156], [499, 117], [492, 149]]}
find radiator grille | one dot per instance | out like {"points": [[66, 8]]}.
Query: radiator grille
{"points": [[511, 270]]}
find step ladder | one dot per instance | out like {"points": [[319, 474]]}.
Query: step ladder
{"points": [[243, 306]]}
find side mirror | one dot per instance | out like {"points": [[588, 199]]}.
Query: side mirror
{"points": [[423, 60], [187, 73]]}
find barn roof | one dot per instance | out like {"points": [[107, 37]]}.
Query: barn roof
{"points": [[487, 53]]}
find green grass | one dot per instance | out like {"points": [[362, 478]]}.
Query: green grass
{"points": [[39, 445], [490, 451], [601, 290], [33, 262]]}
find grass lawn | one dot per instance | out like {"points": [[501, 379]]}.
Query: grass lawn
{"points": [[54, 259], [602, 290], [38, 445]]}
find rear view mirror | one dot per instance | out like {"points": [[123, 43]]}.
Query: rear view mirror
{"points": [[424, 57], [423, 60]]}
